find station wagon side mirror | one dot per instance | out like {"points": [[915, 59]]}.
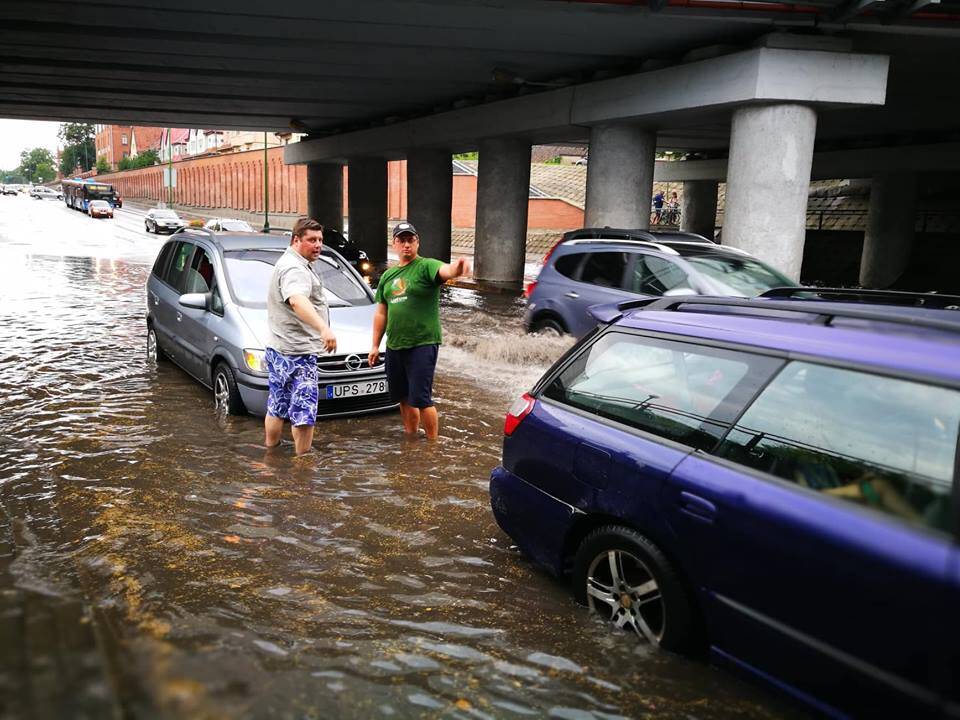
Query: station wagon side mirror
{"points": [[198, 301]]}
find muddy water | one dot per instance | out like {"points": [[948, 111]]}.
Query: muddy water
{"points": [[155, 560]]}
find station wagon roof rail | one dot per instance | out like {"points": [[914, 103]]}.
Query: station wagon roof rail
{"points": [[894, 297], [640, 243], [822, 311]]}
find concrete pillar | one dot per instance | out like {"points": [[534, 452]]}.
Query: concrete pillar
{"points": [[768, 181], [429, 200], [698, 207], [620, 176], [891, 223], [367, 206], [503, 192], [325, 194]]}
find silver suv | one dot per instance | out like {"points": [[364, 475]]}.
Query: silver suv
{"points": [[594, 266], [207, 312]]}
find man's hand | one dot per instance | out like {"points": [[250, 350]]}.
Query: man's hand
{"points": [[329, 340], [373, 356], [458, 267]]}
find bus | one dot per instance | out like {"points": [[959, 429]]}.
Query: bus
{"points": [[78, 193]]}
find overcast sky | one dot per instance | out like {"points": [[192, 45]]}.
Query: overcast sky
{"points": [[18, 135]]}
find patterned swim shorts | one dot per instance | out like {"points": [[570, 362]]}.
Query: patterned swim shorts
{"points": [[293, 387]]}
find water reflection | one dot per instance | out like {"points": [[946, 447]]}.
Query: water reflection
{"points": [[197, 574]]}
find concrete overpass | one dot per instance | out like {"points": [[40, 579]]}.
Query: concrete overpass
{"points": [[758, 93]]}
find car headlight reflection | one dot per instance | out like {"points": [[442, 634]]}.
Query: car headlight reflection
{"points": [[255, 360]]}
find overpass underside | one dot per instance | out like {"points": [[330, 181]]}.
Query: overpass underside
{"points": [[762, 96]]}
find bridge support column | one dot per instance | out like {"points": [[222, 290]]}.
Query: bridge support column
{"points": [[768, 181], [891, 224], [620, 176], [429, 200], [698, 207], [503, 192], [367, 206], [325, 194]]}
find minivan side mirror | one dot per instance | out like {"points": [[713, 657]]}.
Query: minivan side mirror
{"points": [[198, 301]]}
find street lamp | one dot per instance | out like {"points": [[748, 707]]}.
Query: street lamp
{"points": [[266, 187], [169, 170]]}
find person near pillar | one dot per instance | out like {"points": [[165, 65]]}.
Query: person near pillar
{"points": [[298, 320], [657, 206], [408, 311]]}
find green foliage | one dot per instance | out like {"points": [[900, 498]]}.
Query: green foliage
{"points": [[103, 166], [146, 159], [467, 156], [37, 165], [553, 161], [12, 177], [79, 148], [125, 164]]}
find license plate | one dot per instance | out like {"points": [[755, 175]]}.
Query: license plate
{"points": [[358, 389]]}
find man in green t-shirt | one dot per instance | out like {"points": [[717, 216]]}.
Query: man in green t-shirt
{"points": [[408, 309]]}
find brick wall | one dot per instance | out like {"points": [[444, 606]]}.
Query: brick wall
{"points": [[235, 181]]}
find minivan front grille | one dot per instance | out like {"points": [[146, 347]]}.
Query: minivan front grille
{"points": [[364, 403], [346, 364]]}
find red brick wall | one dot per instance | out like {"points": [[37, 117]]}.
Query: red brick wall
{"points": [[235, 180]]}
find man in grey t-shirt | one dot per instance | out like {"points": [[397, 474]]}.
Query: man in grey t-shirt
{"points": [[298, 319]]}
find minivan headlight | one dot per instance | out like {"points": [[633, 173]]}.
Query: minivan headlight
{"points": [[255, 360]]}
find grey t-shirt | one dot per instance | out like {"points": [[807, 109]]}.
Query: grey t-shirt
{"points": [[289, 335]]}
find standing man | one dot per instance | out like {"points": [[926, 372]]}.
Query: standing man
{"points": [[298, 319], [408, 309]]}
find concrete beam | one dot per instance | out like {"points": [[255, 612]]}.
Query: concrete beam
{"points": [[760, 75], [861, 163]]}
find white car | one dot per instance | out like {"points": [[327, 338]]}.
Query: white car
{"points": [[228, 225], [41, 192]]}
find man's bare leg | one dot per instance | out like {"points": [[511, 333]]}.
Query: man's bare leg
{"points": [[411, 418], [302, 438], [431, 422], [272, 430]]}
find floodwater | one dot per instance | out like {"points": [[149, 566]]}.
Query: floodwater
{"points": [[155, 560]]}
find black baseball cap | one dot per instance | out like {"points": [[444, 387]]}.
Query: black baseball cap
{"points": [[404, 227]]}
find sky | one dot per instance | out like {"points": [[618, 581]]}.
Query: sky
{"points": [[18, 135]]}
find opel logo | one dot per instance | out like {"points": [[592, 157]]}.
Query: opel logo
{"points": [[353, 362]]}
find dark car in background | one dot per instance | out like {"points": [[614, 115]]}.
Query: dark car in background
{"points": [[594, 266], [775, 479], [351, 253], [159, 220], [207, 312]]}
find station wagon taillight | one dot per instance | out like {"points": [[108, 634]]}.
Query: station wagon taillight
{"points": [[518, 411]]}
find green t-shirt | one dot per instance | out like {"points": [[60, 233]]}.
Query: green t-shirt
{"points": [[412, 295]]}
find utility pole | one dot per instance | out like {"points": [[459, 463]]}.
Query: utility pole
{"points": [[169, 171], [266, 187]]}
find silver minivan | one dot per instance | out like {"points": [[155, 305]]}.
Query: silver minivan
{"points": [[207, 312]]}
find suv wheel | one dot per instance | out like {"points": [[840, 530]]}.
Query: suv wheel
{"points": [[624, 577], [226, 394], [548, 326]]}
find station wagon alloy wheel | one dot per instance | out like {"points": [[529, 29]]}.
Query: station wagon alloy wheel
{"points": [[622, 576], [153, 350], [620, 585], [226, 394]]}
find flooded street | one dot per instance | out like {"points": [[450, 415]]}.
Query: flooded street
{"points": [[155, 560]]}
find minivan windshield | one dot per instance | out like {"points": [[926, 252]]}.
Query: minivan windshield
{"points": [[740, 275], [249, 271]]}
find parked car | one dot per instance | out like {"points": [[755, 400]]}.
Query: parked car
{"points": [[8, 190], [228, 225], [99, 208], [41, 192], [774, 478], [207, 312], [594, 266], [161, 219]]}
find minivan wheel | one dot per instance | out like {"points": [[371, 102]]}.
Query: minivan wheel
{"points": [[548, 326], [154, 351], [622, 576], [226, 394]]}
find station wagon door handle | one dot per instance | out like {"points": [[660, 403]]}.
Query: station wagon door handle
{"points": [[697, 506], [572, 295], [179, 317], [156, 299]]}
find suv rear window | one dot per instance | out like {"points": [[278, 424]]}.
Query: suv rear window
{"points": [[683, 392], [881, 442]]}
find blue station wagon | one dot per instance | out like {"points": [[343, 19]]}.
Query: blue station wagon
{"points": [[774, 479]]}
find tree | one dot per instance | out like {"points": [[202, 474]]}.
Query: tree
{"points": [[37, 165], [79, 147], [146, 159], [103, 166]]}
